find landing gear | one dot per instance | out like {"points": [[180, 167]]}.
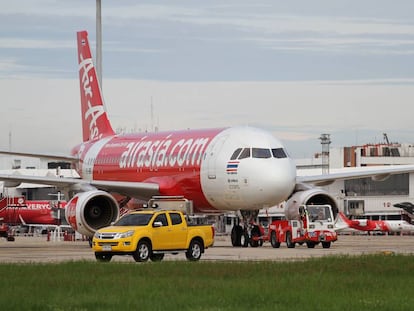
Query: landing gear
{"points": [[255, 237], [246, 232], [245, 239], [236, 234]]}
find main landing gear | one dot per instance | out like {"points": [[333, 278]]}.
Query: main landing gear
{"points": [[246, 231]]}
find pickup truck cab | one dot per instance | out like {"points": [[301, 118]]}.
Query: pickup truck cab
{"points": [[150, 234]]}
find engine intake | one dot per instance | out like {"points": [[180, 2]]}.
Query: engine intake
{"points": [[307, 196], [89, 211]]}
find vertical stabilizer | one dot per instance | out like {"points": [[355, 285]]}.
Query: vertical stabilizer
{"points": [[342, 222], [95, 122]]}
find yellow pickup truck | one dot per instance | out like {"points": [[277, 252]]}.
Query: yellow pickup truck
{"points": [[150, 234]]}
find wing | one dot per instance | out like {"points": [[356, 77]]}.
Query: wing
{"points": [[41, 156], [378, 173], [133, 189]]}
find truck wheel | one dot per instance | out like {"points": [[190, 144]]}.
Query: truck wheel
{"points": [[143, 251], [103, 257], [326, 244], [157, 257], [273, 240], [194, 251], [310, 244], [289, 242]]}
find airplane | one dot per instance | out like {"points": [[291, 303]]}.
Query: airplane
{"points": [[18, 210], [242, 168], [376, 225]]}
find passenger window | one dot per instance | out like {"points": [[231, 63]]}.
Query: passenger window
{"points": [[175, 218], [236, 154], [245, 154], [261, 153], [279, 153], [162, 218]]}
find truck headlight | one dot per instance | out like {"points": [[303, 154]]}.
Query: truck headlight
{"points": [[124, 234], [330, 226], [97, 235]]}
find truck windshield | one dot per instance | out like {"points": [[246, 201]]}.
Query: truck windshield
{"points": [[134, 220], [319, 213]]}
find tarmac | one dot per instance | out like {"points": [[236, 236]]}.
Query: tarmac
{"points": [[39, 250]]}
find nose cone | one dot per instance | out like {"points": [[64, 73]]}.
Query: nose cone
{"points": [[271, 182]]}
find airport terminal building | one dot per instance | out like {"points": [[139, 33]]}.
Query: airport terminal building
{"points": [[365, 197]]}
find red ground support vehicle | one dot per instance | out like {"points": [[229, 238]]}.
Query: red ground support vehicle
{"points": [[316, 225]]}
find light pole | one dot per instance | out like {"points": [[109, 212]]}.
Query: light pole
{"points": [[325, 142]]}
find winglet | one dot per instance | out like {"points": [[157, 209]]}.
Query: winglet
{"points": [[344, 218], [95, 121], [341, 222]]}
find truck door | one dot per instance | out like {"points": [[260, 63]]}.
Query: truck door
{"points": [[179, 231], [161, 235], [295, 229]]}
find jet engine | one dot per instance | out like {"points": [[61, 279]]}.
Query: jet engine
{"points": [[89, 211], [305, 195]]}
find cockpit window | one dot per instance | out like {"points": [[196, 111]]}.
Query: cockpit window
{"points": [[258, 153], [245, 154], [261, 153], [279, 153], [236, 154]]}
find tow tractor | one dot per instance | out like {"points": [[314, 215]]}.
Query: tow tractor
{"points": [[315, 225]]}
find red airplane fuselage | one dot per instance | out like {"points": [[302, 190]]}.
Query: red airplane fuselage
{"points": [[16, 210], [170, 159]]}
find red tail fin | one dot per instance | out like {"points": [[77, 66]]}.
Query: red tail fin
{"points": [[95, 122], [344, 218]]}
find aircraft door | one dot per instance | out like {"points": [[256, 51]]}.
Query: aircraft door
{"points": [[89, 160], [212, 155]]}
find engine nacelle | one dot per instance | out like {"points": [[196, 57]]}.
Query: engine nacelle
{"points": [[304, 195], [89, 211]]}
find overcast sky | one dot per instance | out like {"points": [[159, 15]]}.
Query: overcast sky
{"points": [[296, 68]]}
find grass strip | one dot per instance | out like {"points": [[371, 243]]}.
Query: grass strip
{"points": [[374, 282]]}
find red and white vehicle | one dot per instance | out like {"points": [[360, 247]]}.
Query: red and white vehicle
{"points": [[316, 224], [384, 226], [19, 211]]}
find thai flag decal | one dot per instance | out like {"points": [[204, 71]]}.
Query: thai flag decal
{"points": [[232, 167]]}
